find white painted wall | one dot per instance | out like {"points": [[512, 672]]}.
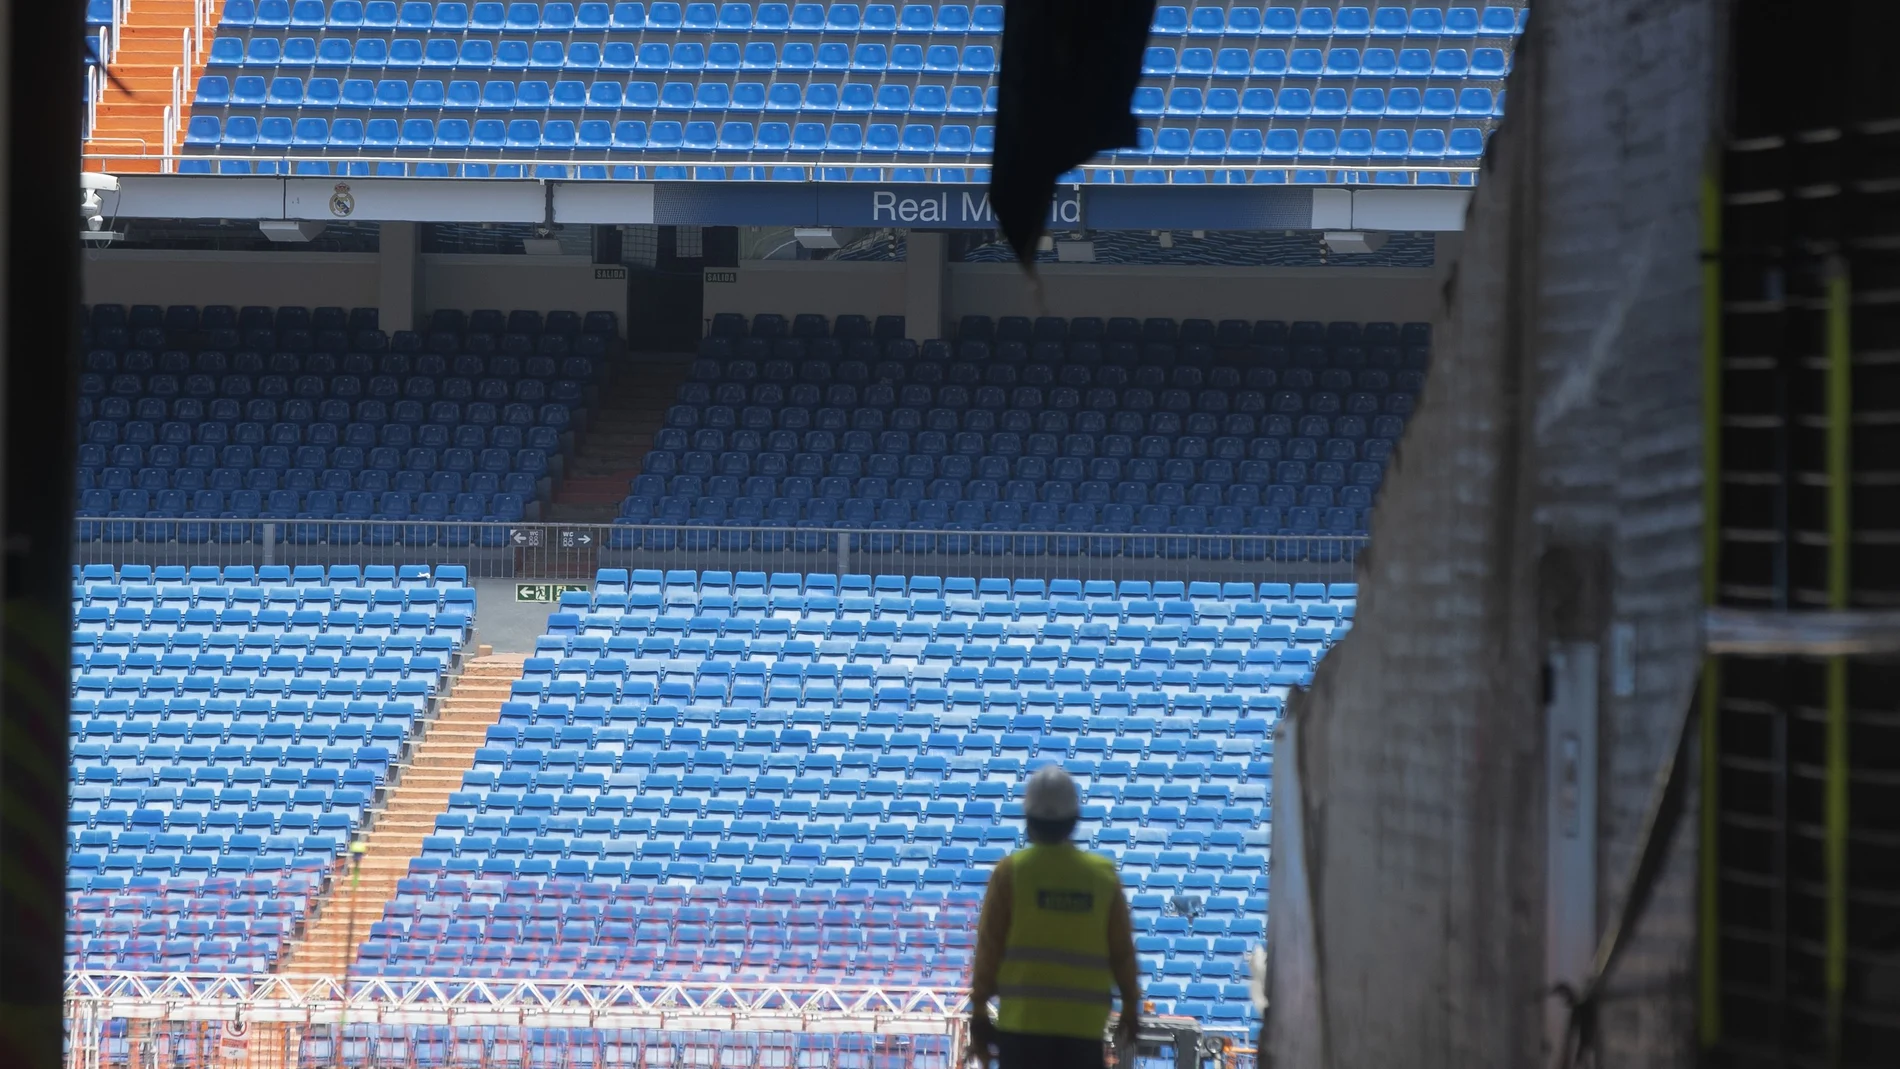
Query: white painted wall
{"points": [[348, 280], [1070, 290], [201, 277], [541, 283], [792, 286]]}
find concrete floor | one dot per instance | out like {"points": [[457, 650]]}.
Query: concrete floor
{"points": [[509, 625]]}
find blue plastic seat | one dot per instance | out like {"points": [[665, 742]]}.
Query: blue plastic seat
{"points": [[1465, 142], [1428, 144]]}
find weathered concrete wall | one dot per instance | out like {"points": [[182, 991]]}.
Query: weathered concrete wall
{"points": [[1561, 423]]}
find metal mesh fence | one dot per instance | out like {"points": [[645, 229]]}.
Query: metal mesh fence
{"points": [[576, 551]]}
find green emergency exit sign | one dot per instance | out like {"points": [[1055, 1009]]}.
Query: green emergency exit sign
{"points": [[547, 592]]}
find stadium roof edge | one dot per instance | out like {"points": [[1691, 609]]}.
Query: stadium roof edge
{"points": [[1103, 207]]}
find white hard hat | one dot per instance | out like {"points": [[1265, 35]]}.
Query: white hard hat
{"points": [[1050, 795]]}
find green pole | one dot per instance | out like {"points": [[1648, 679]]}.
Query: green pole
{"points": [[1839, 485]]}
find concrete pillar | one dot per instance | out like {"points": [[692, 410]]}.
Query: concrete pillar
{"points": [[926, 285], [399, 283]]}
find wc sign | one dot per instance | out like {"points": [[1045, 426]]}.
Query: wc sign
{"points": [[959, 207]]}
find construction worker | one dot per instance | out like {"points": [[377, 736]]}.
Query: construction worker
{"points": [[1053, 943]]}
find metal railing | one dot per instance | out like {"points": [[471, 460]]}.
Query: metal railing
{"points": [[779, 167], [574, 551], [141, 1019], [138, 1019]]}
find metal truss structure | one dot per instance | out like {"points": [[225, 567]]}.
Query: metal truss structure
{"points": [[96, 997]]}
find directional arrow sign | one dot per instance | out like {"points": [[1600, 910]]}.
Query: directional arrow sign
{"points": [[518, 536], [586, 539]]}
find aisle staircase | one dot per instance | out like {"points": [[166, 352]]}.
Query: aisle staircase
{"points": [[157, 54], [619, 434], [446, 751]]}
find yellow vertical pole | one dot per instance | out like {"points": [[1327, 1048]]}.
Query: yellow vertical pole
{"points": [[1840, 373], [1710, 949]]}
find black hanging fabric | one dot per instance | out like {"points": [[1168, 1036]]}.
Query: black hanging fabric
{"points": [[1069, 71]]}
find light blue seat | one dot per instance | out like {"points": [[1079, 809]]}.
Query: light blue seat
{"points": [[1281, 143], [1451, 63], [930, 100], [1439, 102], [809, 137], [1155, 61], [798, 56], [1170, 21], [1475, 102], [1257, 102], [1405, 101], [595, 134], [772, 18], [203, 130], [1498, 22], [1465, 143], [1355, 143], [1489, 63], [1367, 101], [1428, 144], [845, 137], [1148, 100], [748, 96], [918, 138], [1269, 63], [1329, 101], [736, 137], [775, 137], [417, 133], [760, 56]]}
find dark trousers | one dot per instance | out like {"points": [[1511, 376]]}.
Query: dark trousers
{"points": [[1018, 1050]]}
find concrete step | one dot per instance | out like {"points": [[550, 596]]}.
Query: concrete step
{"points": [[444, 754]]}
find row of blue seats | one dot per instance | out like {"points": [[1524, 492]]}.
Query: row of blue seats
{"points": [[182, 594], [319, 350], [188, 319], [790, 363], [207, 733], [277, 576], [251, 91], [1145, 455], [485, 484], [277, 131], [316, 387], [298, 425], [415, 620], [592, 172], [488, 16], [364, 55], [179, 720], [680, 610], [950, 516], [1004, 422], [655, 582], [314, 505], [480, 796], [911, 821], [1229, 333], [474, 53], [1306, 533], [289, 365], [244, 457]]}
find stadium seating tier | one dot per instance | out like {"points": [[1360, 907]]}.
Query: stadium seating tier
{"points": [[1232, 86], [230, 729]]}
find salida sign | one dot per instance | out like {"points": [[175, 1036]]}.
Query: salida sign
{"points": [[952, 207]]}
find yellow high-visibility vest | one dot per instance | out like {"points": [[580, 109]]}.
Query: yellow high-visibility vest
{"points": [[1055, 978]]}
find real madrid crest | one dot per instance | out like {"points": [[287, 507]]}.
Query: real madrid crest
{"points": [[342, 202]]}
